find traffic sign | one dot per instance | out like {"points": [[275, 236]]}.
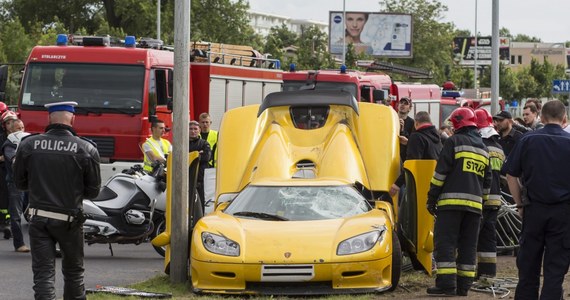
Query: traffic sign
{"points": [[560, 86]]}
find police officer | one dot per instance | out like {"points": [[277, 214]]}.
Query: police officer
{"points": [[487, 244], [461, 181], [59, 169], [539, 159]]}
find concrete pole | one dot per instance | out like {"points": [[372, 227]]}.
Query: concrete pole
{"points": [[475, 85], [344, 33], [158, 19], [495, 60], [179, 207]]}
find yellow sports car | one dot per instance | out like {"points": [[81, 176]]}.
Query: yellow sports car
{"points": [[301, 200]]}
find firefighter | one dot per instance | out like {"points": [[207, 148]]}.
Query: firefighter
{"points": [[487, 244], [461, 181]]}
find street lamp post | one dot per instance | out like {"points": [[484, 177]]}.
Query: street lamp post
{"points": [[475, 86], [344, 35]]}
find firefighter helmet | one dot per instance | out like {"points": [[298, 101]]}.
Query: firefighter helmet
{"points": [[484, 118], [3, 107], [462, 117]]}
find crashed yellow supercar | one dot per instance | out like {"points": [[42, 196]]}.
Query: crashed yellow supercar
{"points": [[302, 203]]}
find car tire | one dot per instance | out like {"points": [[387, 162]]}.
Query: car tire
{"points": [[396, 261]]}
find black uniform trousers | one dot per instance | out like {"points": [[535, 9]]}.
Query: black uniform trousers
{"points": [[44, 234], [455, 237], [545, 233], [487, 244]]}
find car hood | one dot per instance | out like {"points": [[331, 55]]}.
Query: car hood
{"points": [[291, 242]]}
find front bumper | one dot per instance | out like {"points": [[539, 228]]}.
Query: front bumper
{"points": [[292, 279]]}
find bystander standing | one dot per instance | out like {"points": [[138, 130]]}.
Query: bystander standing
{"points": [[538, 160]]}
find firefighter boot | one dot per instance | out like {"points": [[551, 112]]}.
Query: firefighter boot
{"points": [[436, 291]]}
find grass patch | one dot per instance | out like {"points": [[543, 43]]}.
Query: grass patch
{"points": [[410, 283]]}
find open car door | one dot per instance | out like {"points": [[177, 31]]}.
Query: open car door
{"points": [[415, 223]]}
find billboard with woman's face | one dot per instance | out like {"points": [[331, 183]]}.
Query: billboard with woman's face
{"points": [[376, 34]]}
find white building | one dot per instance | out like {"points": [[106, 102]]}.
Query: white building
{"points": [[263, 22]]}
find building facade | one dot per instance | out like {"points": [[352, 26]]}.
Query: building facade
{"points": [[263, 22], [522, 53]]}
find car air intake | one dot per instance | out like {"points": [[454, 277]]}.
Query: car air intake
{"points": [[285, 273]]}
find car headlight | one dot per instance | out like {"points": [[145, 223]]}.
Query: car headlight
{"points": [[219, 244], [360, 243]]}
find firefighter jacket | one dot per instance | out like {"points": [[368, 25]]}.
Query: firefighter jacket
{"points": [[462, 177], [496, 159], [58, 168]]}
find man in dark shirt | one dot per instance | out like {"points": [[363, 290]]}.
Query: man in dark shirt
{"points": [[406, 124], [540, 161], [424, 143], [503, 122], [198, 144]]}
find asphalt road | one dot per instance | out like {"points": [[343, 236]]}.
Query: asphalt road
{"points": [[130, 264]]}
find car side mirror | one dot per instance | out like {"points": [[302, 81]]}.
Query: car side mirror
{"points": [[222, 206]]}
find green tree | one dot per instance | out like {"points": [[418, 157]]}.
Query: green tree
{"points": [[221, 21], [312, 52], [544, 74], [74, 14], [431, 40], [277, 40], [527, 85]]}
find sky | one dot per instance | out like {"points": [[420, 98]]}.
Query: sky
{"points": [[546, 19]]}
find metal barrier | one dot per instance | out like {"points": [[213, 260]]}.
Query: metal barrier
{"points": [[509, 224]]}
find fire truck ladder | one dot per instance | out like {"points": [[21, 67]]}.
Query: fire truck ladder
{"points": [[411, 72]]}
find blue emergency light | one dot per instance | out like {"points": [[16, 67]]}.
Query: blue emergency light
{"points": [[130, 41], [61, 40], [342, 69], [292, 67]]}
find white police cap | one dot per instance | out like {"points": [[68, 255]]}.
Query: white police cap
{"points": [[61, 106]]}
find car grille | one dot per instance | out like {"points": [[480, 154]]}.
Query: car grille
{"points": [[105, 145], [287, 273]]}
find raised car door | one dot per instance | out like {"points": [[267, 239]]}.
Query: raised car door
{"points": [[415, 224]]}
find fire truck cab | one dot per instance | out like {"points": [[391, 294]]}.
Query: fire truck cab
{"points": [[122, 89], [364, 86]]}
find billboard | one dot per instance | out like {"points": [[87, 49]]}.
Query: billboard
{"points": [[377, 34], [464, 50]]}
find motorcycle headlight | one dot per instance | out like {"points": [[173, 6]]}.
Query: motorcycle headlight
{"points": [[360, 243], [219, 244]]}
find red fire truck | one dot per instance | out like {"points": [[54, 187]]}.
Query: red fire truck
{"points": [[364, 86], [120, 90], [369, 87]]}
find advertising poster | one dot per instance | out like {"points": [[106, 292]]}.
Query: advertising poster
{"points": [[376, 34], [464, 50]]}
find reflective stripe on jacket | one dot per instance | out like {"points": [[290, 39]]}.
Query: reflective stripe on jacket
{"points": [[462, 178]]}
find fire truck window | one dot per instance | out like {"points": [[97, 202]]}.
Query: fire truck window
{"points": [[161, 87], [309, 117], [365, 93], [95, 87]]}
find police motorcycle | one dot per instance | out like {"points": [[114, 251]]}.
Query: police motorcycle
{"points": [[129, 208]]}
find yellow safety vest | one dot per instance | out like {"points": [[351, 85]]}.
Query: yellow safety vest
{"points": [[164, 144], [213, 141]]}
